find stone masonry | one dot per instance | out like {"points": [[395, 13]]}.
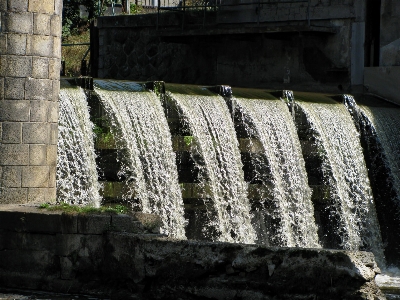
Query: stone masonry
{"points": [[123, 257], [30, 50], [281, 45]]}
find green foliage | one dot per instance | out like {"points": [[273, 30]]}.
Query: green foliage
{"points": [[107, 138], [72, 21], [75, 209], [73, 55], [98, 130], [71, 17], [135, 9], [188, 140], [103, 134], [44, 205], [120, 209]]}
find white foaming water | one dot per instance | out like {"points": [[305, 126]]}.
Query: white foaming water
{"points": [[389, 282], [272, 124], [386, 122], [214, 139], [77, 178], [141, 131], [346, 174]]}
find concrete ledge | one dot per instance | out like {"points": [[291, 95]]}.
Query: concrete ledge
{"points": [[23, 218], [123, 265]]}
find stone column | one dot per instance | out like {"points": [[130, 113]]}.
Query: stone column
{"points": [[30, 51]]}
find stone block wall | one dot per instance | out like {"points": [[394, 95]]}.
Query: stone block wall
{"points": [[116, 257], [280, 51], [30, 52], [54, 251]]}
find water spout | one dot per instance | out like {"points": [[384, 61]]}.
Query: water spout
{"points": [[76, 167], [349, 204], [284, 214], [225, 191], [141, 132]]}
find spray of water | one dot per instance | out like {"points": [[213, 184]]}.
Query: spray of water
{"points": [[141, 132], [386, 123], [76, 166], [214, 140], [378, 126], [345, 172], [271, 123]]}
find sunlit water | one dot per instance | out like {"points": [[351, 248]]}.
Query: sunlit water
{"points": [[289, 196], [140, 129], [389, 282], [214, 140], [386, 122], [345, 173], [77, 178]]}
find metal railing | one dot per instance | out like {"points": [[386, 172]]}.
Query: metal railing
{"points": [[155, 3], [84, 66]]}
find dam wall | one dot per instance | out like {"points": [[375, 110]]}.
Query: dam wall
{"points": [[30, 51], [304, 45]]}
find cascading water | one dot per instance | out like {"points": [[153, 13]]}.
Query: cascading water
{"points": [[76, 167], [378, 125], [140, 128], [214, 140], [386, 123], [289, 196], [139, 123], [343, 167]]}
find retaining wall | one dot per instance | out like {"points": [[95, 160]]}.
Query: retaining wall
{"points": [[273, 46], [100, 254]]}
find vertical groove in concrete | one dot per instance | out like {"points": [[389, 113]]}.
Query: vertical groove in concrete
{"points": [[30, 52]]}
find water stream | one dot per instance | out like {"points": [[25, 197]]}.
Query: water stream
{"points": [[225, 191], [378, 125], [351, 203], [386, 123], [76, 166], [286, 216], [288, 193], [141, 130]]}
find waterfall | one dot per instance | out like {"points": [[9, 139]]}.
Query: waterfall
{"points": [[283, 214], [225, 191], [76, 167], [288, 198], [351, 204], [386, 123], [378, 125], [140, 128]]}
